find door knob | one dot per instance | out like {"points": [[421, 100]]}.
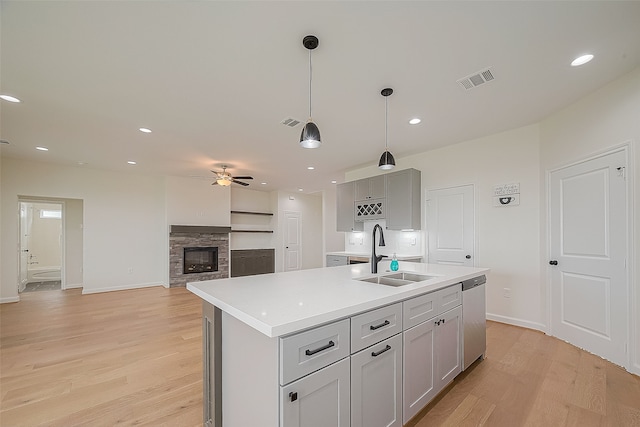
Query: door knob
{"points": [[468, 257], [553, 262]]}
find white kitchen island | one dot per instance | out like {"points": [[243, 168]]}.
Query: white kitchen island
{"points": [[321, 348]]}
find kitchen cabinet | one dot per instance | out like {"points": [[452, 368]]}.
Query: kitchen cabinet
{"points": [[345, 199], [317, 400], [432, 359], [403, 205], [376, 385], [370, 188], [336, 260]]}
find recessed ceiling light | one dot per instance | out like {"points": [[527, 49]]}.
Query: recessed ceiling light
{"points": [[145, 130], [9, 98], [42, 148], [581, 60], [414, 121], [334, 182], [300, 189], [310, 168], [263, 183], [131, 162]]}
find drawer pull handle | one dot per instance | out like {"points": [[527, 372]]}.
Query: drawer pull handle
{"points": [[375, 354], [318, 350], [385, 323]]}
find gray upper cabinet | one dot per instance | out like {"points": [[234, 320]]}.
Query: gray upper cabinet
{"points": [[345, 198], [370, 188], [394, 197], [403, 200]]}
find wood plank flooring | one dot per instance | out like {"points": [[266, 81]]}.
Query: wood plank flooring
{"points": [[134, 358]]}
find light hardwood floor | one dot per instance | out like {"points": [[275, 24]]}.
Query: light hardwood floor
{"points": [[134, 358]]}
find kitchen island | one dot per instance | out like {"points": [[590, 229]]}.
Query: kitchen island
{"points": [[280, 348]]}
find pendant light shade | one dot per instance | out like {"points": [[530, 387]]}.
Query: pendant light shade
{"points": [[310, 136], [387, 161]]}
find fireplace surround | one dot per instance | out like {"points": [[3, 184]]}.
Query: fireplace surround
{"points": [[209, 246]]}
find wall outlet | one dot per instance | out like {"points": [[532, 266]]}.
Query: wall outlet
{"points": [[506, 292]]}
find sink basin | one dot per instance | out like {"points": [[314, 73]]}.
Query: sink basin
{"points": [[397, 279]]}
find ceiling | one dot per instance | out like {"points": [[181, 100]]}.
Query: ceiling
{"points": [[213, 80]]}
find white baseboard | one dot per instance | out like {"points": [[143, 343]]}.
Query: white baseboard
{"points": [[74, 286], [86, 291], [517, 322], [9, 299]]}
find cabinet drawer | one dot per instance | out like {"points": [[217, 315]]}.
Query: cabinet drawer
{"points": [[424, 307], [418, 309], [306, 352], [374, 326], [449, 298]]}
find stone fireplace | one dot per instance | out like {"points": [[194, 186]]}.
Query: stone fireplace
{"points": [[198, 253]]}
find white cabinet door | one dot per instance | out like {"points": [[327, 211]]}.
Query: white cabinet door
{"points": [[418, 368], [317, 400], [448, 350], [376, 385], [403, 200]]}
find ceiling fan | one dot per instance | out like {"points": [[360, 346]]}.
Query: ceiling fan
{"points": [[225, 179]]}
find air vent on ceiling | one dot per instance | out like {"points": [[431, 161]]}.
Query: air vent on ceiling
{"points": [[476, 79], [291, 122]]}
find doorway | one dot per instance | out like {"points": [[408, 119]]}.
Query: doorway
{"points": [[588, 248], [292, 246], [41, 246], [451, 225]]}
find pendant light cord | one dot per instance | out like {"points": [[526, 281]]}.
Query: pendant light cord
{"points": [[310, 78], [386, 123]]}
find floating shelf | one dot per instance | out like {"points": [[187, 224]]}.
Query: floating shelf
{"points": [[252, 231], [252, 213]]}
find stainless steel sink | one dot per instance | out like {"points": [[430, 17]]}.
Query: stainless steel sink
{"points": [[397, 279]]}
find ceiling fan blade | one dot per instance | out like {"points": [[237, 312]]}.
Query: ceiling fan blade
{"points": [[214, 183], [240, 182], [243, 177]]}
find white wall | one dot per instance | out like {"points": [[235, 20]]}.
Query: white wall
{"points": [[73, 257], [310, 208], [124, 222], [45, 242], [191, 201], [607, 118], [508, 237]]}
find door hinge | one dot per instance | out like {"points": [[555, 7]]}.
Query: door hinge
{"points": [[622, 172]]}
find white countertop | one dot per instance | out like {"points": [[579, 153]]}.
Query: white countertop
{"points": [[283, 303]]}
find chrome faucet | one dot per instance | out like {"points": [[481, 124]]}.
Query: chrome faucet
{"points": [[375, 259]]}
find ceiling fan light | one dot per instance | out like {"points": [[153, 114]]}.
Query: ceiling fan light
{"points": [[310, 136], [387, 161], [225, 182]]}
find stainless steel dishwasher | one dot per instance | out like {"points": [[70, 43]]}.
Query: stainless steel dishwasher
{"points": [[474, 320]]}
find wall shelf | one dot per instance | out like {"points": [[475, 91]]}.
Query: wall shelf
{"points": [[252, 213], [252, 231]]}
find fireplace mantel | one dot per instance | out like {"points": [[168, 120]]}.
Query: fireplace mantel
{"points": [[199, 229]]}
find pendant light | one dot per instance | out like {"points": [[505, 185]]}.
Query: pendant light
{"points": [[310, 137], [387, 161]]}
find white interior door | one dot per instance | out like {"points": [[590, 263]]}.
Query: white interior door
{"points": [[25, 235], [588, 255], [451, 226], [292, 246]]}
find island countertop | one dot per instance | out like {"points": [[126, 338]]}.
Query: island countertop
{"points": [[279, 304]]}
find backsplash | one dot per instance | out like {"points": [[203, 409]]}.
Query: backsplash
{"points": [[400, 242]]}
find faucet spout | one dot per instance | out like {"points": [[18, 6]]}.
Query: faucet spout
{"points": [[375, 259]]}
